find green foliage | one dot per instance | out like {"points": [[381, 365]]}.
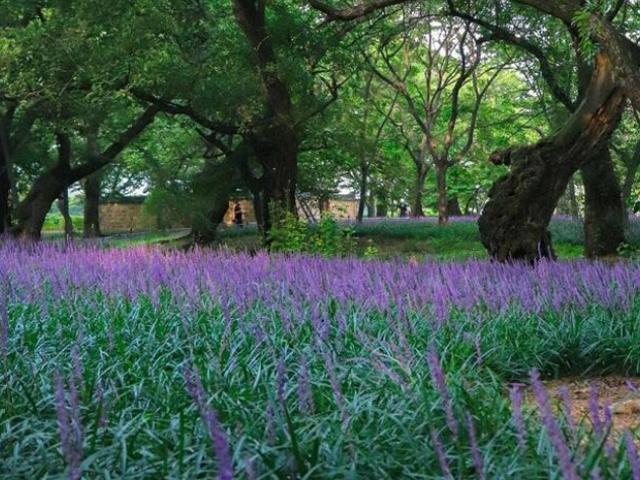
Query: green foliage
{"points": [[327, 238], [631, 252]]}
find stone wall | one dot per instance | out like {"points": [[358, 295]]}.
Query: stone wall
{"points": [[125, 217]]}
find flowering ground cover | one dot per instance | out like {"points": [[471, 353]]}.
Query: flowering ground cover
{"points": [[139, 363]]}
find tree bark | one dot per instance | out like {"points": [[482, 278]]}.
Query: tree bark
{"points": [[275, 141], [514, 223], [92, 191], [604, 210]]}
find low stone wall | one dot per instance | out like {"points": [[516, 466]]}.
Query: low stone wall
{"points": [[125, 217]]}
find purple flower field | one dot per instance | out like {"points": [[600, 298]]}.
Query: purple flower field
{"points": [[142, 363]]}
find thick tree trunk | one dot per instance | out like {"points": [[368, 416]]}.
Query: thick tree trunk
{"points": [[513, 225], [275, 142], [604, 211], [92, 192], [421, 177], [443, 193], [33, 210], [277, 152]]}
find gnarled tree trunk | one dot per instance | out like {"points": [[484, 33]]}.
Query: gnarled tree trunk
{"points": [[275, 141], [514, 223], [604, 210]]}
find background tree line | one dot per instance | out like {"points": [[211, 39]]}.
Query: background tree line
{"points": [[197, 101]]}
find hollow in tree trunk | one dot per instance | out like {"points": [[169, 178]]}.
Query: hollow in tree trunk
{"points": [[514, 223], [604, 210]]}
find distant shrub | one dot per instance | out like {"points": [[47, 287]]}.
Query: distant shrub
{"points": [[328, 237]]}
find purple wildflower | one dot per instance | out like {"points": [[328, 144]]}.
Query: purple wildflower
{"points": [[555, 435], [632, 455], [594, 410], [193, 384], [563, 392], [476, 454], [70, 433], [337, 389], [515, 394], [4, 329], [281, 379], [271, 424], [437, 374], [440, 454], [305, 394]]}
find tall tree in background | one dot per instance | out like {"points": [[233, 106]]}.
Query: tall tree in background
{"points": [[429, 66], [514, 222]]}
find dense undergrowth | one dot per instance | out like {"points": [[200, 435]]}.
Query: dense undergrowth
{"points": [[136, 363]]}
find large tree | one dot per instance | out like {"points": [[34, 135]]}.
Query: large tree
{"points": [[514, 222]]}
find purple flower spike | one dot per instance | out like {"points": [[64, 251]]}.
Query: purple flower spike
{"points": [[193, 384], [567, 408], [437, 374], [555, 435], [4, 329], [70, 433], [441, 455], [594, 410], [476, 454], [515, 394], [305, 394], [632, 455]]}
